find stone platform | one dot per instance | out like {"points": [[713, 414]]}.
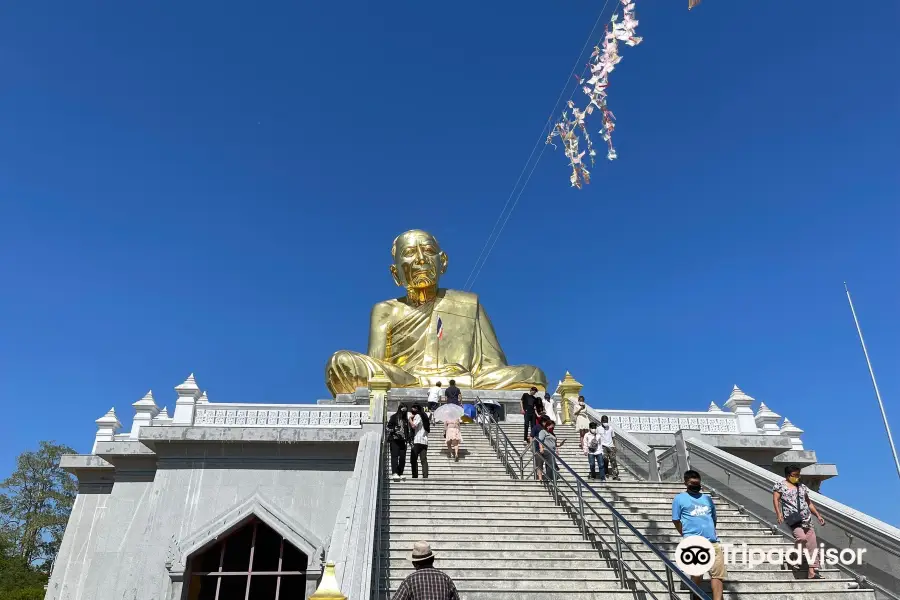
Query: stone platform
{"points": [[509, 400]]}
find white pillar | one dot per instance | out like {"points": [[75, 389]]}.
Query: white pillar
{"points": [[741, 404], [145, 410], [107, 427], [714, 408], [793, 433], [379, 385], [188, 395], [767, 420]]}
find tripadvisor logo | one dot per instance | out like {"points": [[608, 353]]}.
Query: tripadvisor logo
{"points": [[696, 555]]}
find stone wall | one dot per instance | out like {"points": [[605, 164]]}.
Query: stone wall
{"points": [[128, 519]]}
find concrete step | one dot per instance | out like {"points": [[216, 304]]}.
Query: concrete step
{"points": [[600, 581], [629, 595], [405, 542], [485, 534], [463, 522], [563, 559], [494, 565], [425, 489], [484, 506], [661, 512], [448, 555], [475, 482], [464, 515], [522, 571]]}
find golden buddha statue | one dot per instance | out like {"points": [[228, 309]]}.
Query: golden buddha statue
{"points": [[403, 340]]}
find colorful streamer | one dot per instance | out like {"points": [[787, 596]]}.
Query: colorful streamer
{"points": [[603, 62]]}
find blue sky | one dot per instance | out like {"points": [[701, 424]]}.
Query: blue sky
{"points": [[213, 187]]}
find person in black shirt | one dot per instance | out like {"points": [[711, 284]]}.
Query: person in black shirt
{"points": [[453, 395], [529, 402], [399, 435]]}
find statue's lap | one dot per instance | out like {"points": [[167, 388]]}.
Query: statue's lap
{"points": [[347, 370]]}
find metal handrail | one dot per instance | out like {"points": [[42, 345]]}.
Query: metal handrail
{"points": [[488, 423], [508, 447]]}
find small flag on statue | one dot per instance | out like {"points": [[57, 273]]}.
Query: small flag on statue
{"points": [[440, 329]]}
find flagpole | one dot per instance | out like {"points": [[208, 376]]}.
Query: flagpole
{"points": [[887, 427]]}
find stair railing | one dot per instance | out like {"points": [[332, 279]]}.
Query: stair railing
{"points": [[668, 465], [572, 493], [505, 449]]}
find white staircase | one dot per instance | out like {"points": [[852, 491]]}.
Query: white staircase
{"points": [[498, 538], [503, 538]]}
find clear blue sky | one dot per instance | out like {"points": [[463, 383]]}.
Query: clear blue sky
{"points": [[213, 187]]}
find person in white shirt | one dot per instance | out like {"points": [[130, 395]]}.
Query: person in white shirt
{"points": [[420, 426], [434, 396], [548, 407], [593, 448], [605, 431]]}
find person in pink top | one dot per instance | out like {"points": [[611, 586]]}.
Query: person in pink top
{"points": [[453, 438]]}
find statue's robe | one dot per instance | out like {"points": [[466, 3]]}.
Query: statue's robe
{"points": [[403, 344]]}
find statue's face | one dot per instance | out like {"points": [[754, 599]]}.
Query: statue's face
{"points": [[418, 260]]}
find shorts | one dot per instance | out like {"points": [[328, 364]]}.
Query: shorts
{"points": [[718, 570]]}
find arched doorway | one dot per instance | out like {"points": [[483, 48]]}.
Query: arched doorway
{"points": [[254, 562]]}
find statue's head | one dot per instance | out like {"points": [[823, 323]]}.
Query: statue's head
{"points": [[418, 260]]}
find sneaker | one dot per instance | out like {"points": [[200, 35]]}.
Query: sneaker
{"points": [[396, 477]]}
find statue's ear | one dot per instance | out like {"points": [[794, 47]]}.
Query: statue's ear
{"points": [[396, 276], [443, 258]]}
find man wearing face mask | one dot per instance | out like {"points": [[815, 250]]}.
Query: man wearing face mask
{"points": [[611, 464], [694, 513]]}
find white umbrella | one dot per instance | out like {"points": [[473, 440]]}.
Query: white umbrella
{"points": [[448, 412]]}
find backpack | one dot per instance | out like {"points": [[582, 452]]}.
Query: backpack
{"points": [[594, 444]]}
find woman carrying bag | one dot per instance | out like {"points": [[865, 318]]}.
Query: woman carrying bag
{"points": [[794, 508], [582, 422], [399, 434]]}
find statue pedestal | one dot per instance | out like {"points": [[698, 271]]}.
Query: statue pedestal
{"points": [[509, 400]]}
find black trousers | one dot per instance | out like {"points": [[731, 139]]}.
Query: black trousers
{"points": [[398, 457], [419, 451], [529, 423]]}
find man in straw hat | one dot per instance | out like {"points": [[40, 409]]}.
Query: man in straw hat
{"points": [[426, 583]]}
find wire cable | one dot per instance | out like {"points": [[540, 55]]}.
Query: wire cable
{"points": [[488, 244]]}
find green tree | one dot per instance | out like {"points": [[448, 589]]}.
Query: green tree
{"points": [[18, 579], [35, 502]]}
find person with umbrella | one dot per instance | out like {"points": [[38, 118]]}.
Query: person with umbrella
{"points": [[453, 438], [451, 415]]}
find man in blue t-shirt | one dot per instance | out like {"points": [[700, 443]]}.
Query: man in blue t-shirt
{"points": [[694, 513]]}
